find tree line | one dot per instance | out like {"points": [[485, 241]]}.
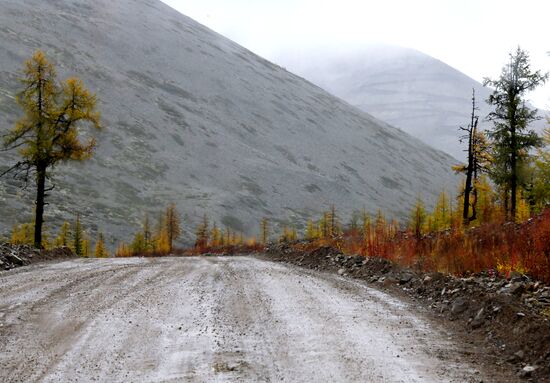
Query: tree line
{"points": [[502, 173]]}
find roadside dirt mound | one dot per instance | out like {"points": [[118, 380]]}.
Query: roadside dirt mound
{"points": [[511, 317], [12, 256]]}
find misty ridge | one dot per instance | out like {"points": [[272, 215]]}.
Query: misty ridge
{"points": [[406, 88]]}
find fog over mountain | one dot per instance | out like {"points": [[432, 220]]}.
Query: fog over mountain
{"points": [[193, 118], [404, 87]]}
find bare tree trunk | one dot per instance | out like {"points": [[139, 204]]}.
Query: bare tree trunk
{"points": [[468, 188], [506, 203], [514, 176], [473, 217], [40, 202]]}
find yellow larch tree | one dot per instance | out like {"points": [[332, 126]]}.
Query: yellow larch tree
{"points": [[49, 132]]}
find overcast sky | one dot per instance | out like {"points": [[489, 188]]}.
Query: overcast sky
{"points": [[474, 36]]}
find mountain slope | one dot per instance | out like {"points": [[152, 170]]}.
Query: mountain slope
{"points": [[406, 88], [192, 117]]}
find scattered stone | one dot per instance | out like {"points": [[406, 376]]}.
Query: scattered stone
{"points": [[11, 257], [519, 355], [459, 306], [527, 371], [341, 271], [517, 288], [479, 319], [405, 278], [359, 260]]}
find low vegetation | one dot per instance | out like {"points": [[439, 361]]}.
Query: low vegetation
{"points": [[496, 247]]}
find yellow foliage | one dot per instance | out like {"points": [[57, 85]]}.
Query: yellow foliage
{"points": [[86, 248], [173, 225], [418, 219], [22, 234], [100, 249], [522, 209], [312, 230], [506, 268], [215, 236], [123, 250], [162, 245], [288, 235], [64, 235], [264, 231], [442, 212], [49, 131]]}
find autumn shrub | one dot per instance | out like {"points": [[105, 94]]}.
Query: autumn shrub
{"points": [[495, 247]]}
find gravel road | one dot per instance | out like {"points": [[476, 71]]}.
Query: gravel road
{"points": [[213, 320]]}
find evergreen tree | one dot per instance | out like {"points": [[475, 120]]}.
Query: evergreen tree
{"points": [[173, 225], [510, 136], [78, 237], [49, 131], [147, 235], [139, 245]]}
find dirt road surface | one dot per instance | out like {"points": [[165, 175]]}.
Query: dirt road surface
{"points": [[214, 320]]}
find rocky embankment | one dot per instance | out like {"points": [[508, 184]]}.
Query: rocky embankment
{"points": [[12, 256], [510, 316]]}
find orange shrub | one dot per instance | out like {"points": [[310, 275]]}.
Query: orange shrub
{"points": [[498, 247]]}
